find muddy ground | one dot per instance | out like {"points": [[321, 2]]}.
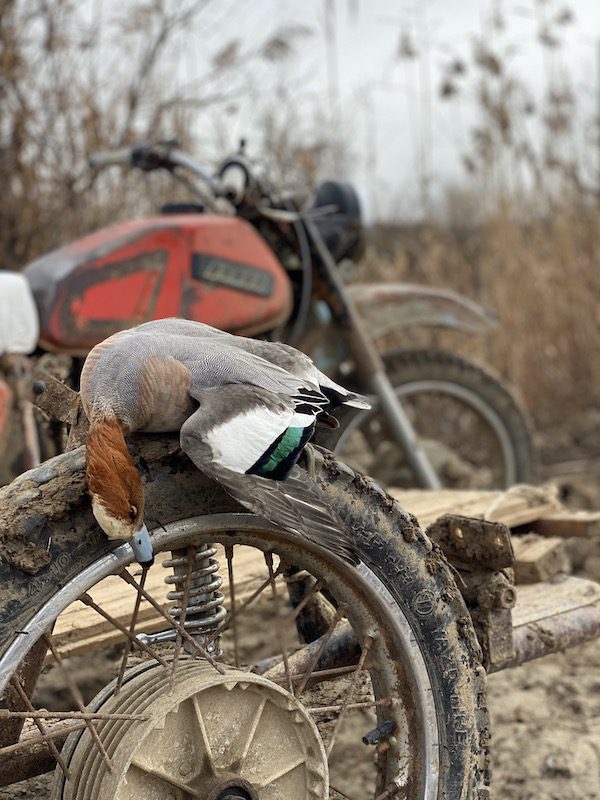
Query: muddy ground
{"points": [[545, 715]]}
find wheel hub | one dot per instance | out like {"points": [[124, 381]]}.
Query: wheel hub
{"points": [[233, 790], [212, 736]]}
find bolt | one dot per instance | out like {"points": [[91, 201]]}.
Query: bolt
{"points": [[507, 597], [39, 387]]}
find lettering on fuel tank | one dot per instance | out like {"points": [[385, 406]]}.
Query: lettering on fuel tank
{"points": [[222, 272]]}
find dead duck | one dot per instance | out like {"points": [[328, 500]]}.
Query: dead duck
{"points": [[245, 410]]}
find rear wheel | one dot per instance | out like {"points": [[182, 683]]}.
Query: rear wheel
{"points": [[468, 422], [252, 711]]}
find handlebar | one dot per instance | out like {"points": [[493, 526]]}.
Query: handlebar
{"points": [[164, 155], [235, 182], [109, 158]]}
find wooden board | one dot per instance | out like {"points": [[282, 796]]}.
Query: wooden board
{"points": [[568, 523], [538, 558], [539, 601], [516, 506]]}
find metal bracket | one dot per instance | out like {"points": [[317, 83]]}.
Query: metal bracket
{"points": [[481, 552], [61, 403]]}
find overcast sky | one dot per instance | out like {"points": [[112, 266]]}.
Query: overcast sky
{"points": [[389, 109]]}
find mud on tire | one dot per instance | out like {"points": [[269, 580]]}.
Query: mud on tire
{"points": [[387, 537]]}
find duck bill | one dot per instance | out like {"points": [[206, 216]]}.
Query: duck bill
{"points": [[141, 544]]}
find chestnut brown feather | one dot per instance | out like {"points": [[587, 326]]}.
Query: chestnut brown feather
{"points": [[111, 473]]}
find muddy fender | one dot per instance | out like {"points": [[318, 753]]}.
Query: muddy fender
{"points": [[387, 307]]}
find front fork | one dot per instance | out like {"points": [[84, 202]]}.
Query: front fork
{"points": [[370, 366]]}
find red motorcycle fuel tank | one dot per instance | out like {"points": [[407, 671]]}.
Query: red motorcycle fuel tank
{"points": [[212, 269]]}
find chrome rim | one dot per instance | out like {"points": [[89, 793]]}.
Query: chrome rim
{"points": [[397, 669]]}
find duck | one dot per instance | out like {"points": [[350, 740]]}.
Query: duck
{"points": [[245, 410]]}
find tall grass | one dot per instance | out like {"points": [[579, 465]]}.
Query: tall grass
{"points": [[522, 235], [540, 276]]}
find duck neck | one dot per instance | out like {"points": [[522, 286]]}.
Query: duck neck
{"points": [[113, 479], [106, 433]]}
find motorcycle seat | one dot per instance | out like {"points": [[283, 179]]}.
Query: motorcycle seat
{"points": [[19, 323]]}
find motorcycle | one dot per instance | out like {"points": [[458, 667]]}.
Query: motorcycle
{"points": [[254, 261]]}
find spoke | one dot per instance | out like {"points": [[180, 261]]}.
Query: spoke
{"points": [[392, 791], [87, 600], [315, 588], [253, 727], [243, 606], [124, 575], [128, 641], [77, 696], [83, 715], [283, 771], [317, 675], [279, 628], [38, 722], [361, 661], [384, 701], [325, 639], [162, 776], [229, 556], [30, 741], [191, 556], [341, 649]]}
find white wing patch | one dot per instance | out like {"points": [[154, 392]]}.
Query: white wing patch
{"points": [[238, 443], [302, 420]]}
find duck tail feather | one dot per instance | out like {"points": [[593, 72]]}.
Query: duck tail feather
{"points": [[296, 504]]}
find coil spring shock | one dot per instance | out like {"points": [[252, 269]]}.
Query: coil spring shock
{"points": [[205, 610]]}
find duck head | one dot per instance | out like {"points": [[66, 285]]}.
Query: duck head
{"points": [[115, 488]]}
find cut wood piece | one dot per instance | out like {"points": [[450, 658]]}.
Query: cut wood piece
{"points": [[538, 558], [568, 523], [539, 601], [517, 506]]}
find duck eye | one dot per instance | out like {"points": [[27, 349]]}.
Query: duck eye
{"points": [[132, 512]]}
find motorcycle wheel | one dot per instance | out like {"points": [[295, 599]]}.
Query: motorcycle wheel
{"points": [[469, 423], [204, 730]]}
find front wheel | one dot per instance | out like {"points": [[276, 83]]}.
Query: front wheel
{"points": [[387, 704], [468, 422]]}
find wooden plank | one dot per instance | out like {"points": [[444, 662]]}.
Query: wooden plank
{"points": [[516, 506], [539, 601], [427, 506], [568, 523], [538, 558]]}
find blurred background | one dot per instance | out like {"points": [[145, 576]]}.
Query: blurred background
{"points": [[470, 129]]}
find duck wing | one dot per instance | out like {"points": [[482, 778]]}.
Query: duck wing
{"points": [[232, 431], [277, 354], [302, 367]]}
